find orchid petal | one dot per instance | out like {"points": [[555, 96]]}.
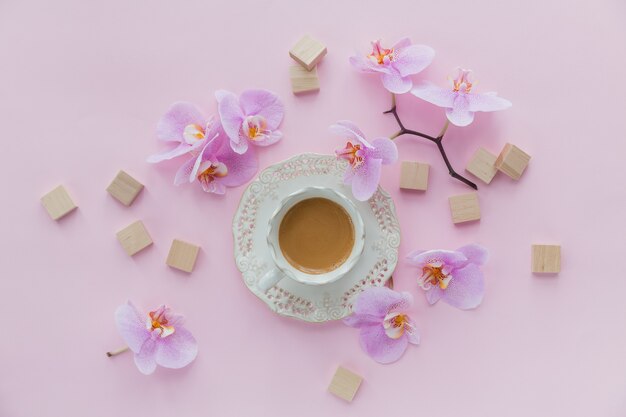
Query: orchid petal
{"points": [[348, 130], [241, 167], [379, 301], [475, 254], [487, 102], [220, 94], [459, 114], [263, 103], [364, 64], [433, 294], [267, 140], [173, 152], [183, 174], [360, 320], [215, 187], [231, 114], [177, 350], [447, 257], [210, 149], [467, 288], [411, 332], [131, 326], [413, 59], [384, 149], [380, 347], [366, 178], [146, 358], [402, 43], [442, 97], [395, 83], [174, 121]]}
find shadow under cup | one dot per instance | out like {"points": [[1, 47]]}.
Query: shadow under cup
{"points": [[316, 236]]}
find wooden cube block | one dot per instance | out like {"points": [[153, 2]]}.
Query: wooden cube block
{"points": [[303, 81], [512, 161], [482, 165], [182, 255], [464, 208], [414, 176], [308, 52], [125, 188], [345, 384], [546, 259], [58, 203], [134, 238]]}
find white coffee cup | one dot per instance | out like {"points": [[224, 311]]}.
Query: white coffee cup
{"points": [[282, 268]]}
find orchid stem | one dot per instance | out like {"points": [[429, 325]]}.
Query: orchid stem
{"points": [[117, 352], [395, 135], [437, 140], [443, 130]]}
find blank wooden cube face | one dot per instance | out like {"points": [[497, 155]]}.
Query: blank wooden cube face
{"points": [[345, 384], [58, 203], [308, 52], [546, 259], [134, 238], [414, 176], [512, 161], [182, 255], [464, 208], [483, 165], [125, 188], [303, 81]]}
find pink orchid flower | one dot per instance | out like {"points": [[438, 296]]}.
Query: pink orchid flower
{"points": [[395, 65], [217, 166], [156, 338], [365, 159], [459, 100], [186, 130], [386, 330], [452, 276], [253, 118]]}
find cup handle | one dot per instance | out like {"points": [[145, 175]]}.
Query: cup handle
{"points": [[271, 278]]}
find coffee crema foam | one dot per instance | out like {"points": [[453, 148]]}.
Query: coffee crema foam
{"points": [[316, 235]]}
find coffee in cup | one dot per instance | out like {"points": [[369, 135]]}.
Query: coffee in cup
{"points": [[316, 235]]}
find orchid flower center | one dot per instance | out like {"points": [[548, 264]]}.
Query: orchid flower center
{"points": [[434, 273], [395, 324], [209, 171], [380, 55], [353, 154], [193, 133], [157, 322], [254, 126], [463, 82]]}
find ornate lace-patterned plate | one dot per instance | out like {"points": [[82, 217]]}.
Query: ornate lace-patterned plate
{"points": [[306, 302]]}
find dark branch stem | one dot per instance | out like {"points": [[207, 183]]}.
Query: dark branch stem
{"points": [[437, 140]]}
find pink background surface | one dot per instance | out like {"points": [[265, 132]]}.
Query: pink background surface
{"points": [[83, 85]]}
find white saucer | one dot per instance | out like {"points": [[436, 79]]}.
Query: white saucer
{"points": [[307, 302]]}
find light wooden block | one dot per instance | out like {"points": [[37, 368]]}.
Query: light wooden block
{"points": [[308, 52], [512, 161], [414, 176], [182, 255], [546, 259], [345, 384], [58, 203], [464, 208], [303, 81], [134, 238], [125, 188], [483, 165]]}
